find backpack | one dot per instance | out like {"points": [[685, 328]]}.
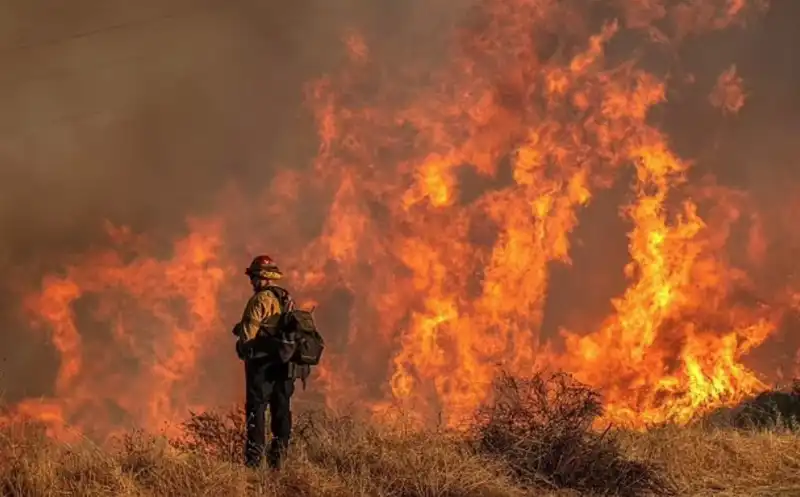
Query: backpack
{"points": [[297, 326]]}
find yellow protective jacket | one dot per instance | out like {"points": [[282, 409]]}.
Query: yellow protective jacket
{"points": [[262, 308]]}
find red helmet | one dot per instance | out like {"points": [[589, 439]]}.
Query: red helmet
{"points": [[263, 266]]}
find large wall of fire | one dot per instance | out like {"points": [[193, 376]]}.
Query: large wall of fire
{"points": [[607, 188]]}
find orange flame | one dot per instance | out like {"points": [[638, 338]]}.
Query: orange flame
{"points": [[451, 206], [728, 94]]}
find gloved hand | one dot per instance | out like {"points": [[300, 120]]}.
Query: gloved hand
{"points": [[244, 349]]}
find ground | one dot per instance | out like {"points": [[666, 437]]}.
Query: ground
{"points": [[511, 450]]}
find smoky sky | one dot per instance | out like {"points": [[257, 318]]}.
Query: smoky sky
{"points": [[138, 113]]}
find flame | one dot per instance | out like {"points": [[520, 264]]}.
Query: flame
{"points": [[728, 94], [180, 299], [679, 292], [453, 195]]}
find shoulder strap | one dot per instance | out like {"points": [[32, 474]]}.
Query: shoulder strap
{"points": [[283, 296]]}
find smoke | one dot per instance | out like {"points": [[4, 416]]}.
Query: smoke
{"points": [[136, 120], [141, 113], [138, 113]]}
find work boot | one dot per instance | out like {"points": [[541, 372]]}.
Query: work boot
{"points": [[253, 455], [277, 453]]}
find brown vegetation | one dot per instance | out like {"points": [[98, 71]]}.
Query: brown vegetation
{"points": [[535, 439]]}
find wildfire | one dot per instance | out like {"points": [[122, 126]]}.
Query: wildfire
{"points": [[453, 195], [728, 94]]}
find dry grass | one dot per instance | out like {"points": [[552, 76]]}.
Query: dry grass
{"points": [[534, 441]]}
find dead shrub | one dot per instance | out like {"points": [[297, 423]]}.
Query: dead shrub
{"points": [[541, 427], [215, 435]]}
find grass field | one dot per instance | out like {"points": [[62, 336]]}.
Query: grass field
{"points": [[525, 444]]}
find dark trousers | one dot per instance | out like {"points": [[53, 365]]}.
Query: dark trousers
{"points": [[267, 384]]}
